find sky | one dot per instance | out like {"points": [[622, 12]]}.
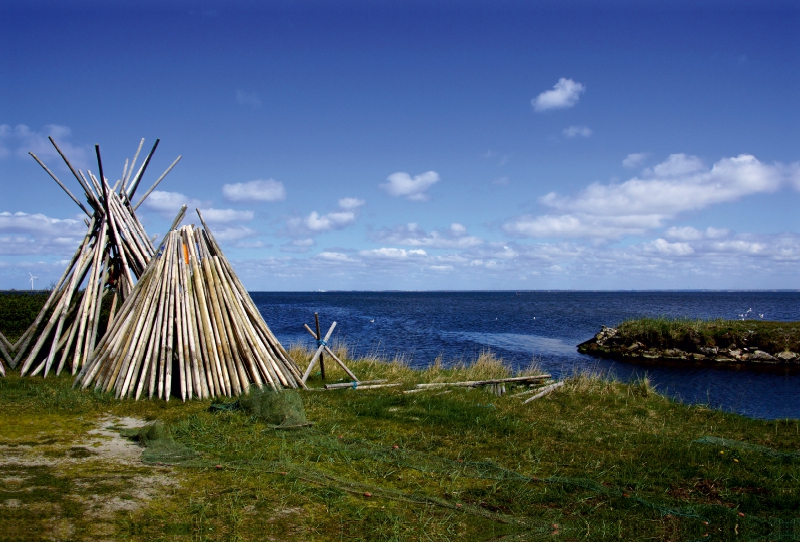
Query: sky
{"points": [[437, 145]]}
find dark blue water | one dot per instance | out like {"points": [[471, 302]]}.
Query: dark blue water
{"points": [[546, 326]]}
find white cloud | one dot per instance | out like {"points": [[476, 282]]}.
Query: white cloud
{"points": [[501, 181], [335, 257], [315, 223], [679, 184], [565, 94], [233, 233], [226, 215], [349, 204], [412, 235], [250, 99], [688, 233], [413, 189], [258, 190], [663, 246], [299, 245], [21, 140], [331, 221], [634, 160], [392, 253], [23, 233], [574, 131], [169, 203]]}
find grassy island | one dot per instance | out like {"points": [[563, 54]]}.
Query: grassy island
{"points": [[730, 342]]}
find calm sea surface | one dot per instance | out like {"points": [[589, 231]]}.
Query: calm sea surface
{"points": [[545, 326]]}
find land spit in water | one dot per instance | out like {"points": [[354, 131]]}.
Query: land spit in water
{"points": [[734, 343]]}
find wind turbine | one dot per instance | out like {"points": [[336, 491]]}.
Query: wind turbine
{"points": [[32, 278]]}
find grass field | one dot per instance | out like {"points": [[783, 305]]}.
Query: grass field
{"points": [[595, 460]]}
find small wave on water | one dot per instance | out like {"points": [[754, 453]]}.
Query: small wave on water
{"points": [[534, 345]]}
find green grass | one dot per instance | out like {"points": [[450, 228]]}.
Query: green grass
{"points": [[595, 460], [18, 310], [684, 332]]}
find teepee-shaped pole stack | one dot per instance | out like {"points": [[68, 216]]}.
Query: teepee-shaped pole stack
{"points": [[189, 324], [113, 255]]}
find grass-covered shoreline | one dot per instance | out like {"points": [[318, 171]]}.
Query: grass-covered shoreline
{"points": [[596, 459]]}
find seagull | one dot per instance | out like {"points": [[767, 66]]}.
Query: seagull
{"points": [[32, 278]]}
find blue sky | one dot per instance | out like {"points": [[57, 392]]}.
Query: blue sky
{"points": [[420, 145]]}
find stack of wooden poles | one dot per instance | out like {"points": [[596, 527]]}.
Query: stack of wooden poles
{"points": [[188, 323], [113, 255]]}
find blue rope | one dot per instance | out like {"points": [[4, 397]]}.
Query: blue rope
{"points": [[322, 342], [355, 385]]}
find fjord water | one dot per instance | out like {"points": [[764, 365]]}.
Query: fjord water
{"points": [[546, 326]]}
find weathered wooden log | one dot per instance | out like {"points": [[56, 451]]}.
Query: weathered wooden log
{"points": [[354, 384], [471, 383], [544, 391]]}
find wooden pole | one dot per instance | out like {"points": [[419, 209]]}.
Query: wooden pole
{"points": [[321, 356], [137, 180], [155, 184], [70, 194]]}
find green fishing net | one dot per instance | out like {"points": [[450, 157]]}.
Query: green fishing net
{"points": [[281, 409], [159, 446], [741, 445]]}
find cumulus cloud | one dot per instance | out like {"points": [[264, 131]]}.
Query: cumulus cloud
{"points": [[412, 235], [226, 215], [316, 223], [564, 95], [331, 221], [634, 160], [20, 140], [412, 188], [392, 253], [351, 203], [169, 203], [23, 233], [233, 233], [299, 245], [679, 184], [575, 131], [688, 233], [337, 257], [250, 99], [258, 190]]}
